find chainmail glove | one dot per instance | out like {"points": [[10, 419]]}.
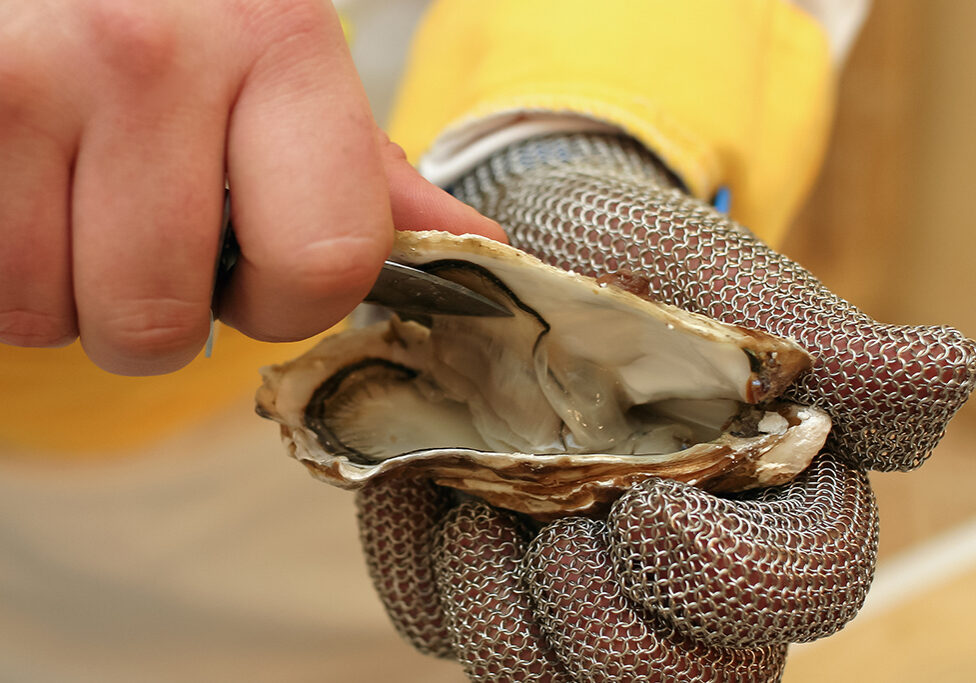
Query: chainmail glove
{"points": [[675, 584]]}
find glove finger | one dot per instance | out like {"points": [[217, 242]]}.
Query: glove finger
{"points": [[477, 558], [397, 518], [597, 205], [600, 635], [791, 566]]}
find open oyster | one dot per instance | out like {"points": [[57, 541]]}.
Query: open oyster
{"points": [[585, 390]]}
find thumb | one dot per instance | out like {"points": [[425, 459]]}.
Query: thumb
{"points": [[417, 204]]}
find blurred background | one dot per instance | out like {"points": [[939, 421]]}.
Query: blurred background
{"points": [[889, 227]]}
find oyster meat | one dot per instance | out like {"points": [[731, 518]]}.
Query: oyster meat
{"points": [[585, 390]]}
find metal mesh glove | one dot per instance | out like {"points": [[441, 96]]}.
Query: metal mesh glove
{"points": [[599, 204], [675, 584]]}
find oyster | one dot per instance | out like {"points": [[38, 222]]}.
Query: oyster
{"points": [[585, 390]]}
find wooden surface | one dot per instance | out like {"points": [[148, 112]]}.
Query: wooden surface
{"points": [[929, 637], [890, 228]]}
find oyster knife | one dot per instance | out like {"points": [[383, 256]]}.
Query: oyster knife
{"points": [[413, 291], [404, 289]]}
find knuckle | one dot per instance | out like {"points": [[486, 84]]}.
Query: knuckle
{"points": [[34, 98], [158, 329], [133, 38], [21, 84], [290, 31], [297, 19], [26, 327]]}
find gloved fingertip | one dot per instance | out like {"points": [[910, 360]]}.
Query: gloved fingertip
{"points": [[594, 627], [477, 558], [791, 565], [396, 522]]}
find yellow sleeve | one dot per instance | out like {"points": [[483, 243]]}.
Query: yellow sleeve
{"points": [[735, 93], [57, 403]]}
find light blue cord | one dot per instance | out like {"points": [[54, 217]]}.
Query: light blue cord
{"points": [[723, 199]]}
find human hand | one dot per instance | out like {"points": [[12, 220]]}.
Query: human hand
{"points": [[675, 584], [119, 122]]}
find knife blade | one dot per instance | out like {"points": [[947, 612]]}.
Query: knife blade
{"points": [[412, 291], [399, 287]]}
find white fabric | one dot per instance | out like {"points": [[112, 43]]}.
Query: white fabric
{"points": [[841, 21], [455, 154]]}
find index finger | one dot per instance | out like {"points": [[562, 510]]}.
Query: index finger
{"points": [[310, 203]]}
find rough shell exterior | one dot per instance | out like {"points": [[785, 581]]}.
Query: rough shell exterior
{"points": [[566, 320]]}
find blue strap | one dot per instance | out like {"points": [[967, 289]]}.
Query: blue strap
{"points": [[723, 199]]}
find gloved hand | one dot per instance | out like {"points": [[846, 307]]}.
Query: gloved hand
{"points": [[676, 584]]}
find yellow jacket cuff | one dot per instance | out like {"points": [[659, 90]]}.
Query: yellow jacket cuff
{"points": [[735, 93]]}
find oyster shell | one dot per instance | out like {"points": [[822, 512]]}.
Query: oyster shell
{"points": [[586, 390]]}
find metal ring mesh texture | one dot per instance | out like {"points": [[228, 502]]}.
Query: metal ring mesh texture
{"points": [[599, 204], [396, 527], [558, 607], [676, 584], [600, 635], [477, 558], [790, 566]]}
